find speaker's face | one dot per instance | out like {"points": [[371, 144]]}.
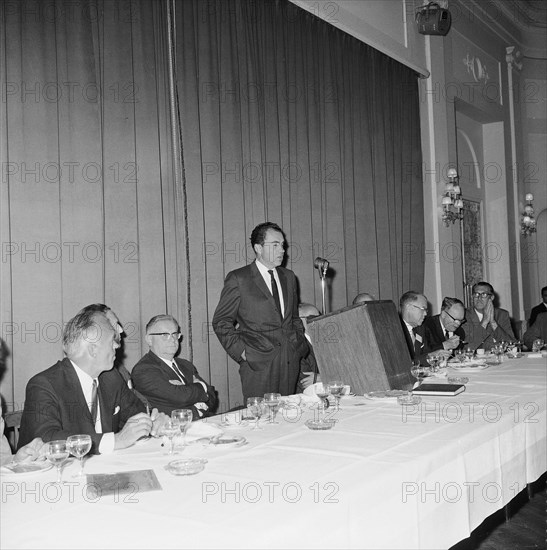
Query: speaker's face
{"points": [[415, 312]]}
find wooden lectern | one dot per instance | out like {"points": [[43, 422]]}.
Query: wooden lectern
{"points": [[364, 346]]}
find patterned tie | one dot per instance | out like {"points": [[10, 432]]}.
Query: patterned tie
{"points": [[94, 401], [446, 335], [275, 293]]}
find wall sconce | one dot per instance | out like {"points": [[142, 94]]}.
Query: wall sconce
{"points": [[528, 222], [452, 199]]}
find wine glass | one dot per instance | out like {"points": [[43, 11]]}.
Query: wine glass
{"points": [[336, 387], [184, 418], [419, 371], [79, 445], [273, 401], [322, 391], [497, 350], [170, 429], [537, 344], [255, 406], [57, 453], [434, 361]]}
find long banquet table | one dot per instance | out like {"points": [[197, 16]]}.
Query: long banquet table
{"points": [[386, 476]]}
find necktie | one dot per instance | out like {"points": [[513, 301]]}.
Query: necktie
{"points": [[275, 293], [446, 335], [178, 371], [94, 401]]}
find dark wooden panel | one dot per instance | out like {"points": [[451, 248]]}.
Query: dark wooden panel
{"points": [[363, 345]]}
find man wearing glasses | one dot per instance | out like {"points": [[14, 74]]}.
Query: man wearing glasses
{"points": [[485, 325], [444, 331], [169, 382], [256, 319]]}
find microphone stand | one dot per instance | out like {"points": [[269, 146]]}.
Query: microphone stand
{"points": [[322, 265]]}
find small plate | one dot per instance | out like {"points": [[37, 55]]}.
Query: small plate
{"points": [[385, 394], [325, 424], [186, 466], [228, 441], [26, 468], [468, 368]]}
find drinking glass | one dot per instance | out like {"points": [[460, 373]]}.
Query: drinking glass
{"points": [[336, 387], [419, 371], [537, 344], [498, 351], [255, 406], [434, 361], [170, 429], [322, 391], [79, 445], [273, 401], [57, 453], [184, 419]]}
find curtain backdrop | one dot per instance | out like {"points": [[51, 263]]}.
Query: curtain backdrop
{"points": [[285, 118], [282, 117], [87, 189]]}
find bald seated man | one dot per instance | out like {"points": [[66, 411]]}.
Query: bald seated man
{"points": [[363, 297]]}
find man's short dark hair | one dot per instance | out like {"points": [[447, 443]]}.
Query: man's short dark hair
{"points": [[158, 318], [408, 297], [101, 308], [483, 283], [258, 236], [84, 325], [449, 302], [544, 290]]}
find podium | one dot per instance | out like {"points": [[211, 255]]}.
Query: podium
{"points": [[364, 346]]}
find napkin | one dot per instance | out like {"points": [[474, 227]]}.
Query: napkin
{"points": [[534, 355]]}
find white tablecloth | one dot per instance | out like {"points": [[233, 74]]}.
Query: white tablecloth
{"points": [[384, 477]]}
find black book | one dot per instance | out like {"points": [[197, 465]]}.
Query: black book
{"points": [[439, 389]]}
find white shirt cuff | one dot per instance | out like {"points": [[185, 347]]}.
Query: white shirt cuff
{"points": [[106, 446]]}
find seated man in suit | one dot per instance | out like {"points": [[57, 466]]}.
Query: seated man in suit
{"points": [[444, 331], [413, 311], [168, 382], [485, 325], [537, 330], [82, 395], [540, 308]]}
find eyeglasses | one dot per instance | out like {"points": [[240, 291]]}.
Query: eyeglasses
{"points": [[418, 307], [167, 335], [460, 321], [481, 294]]}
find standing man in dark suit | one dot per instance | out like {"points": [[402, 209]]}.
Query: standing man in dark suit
{"points": [[444, 331], [485, 324], [540, 308], [256, 319], [413, 311], [166, 381], [83, 395]]}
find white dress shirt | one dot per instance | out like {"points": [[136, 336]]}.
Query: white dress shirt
{"points": [[268, 280]]}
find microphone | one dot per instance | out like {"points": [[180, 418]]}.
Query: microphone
{"points": [[321, 264]]}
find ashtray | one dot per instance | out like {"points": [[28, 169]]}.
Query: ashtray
{"points": [[458, 379], [186, 466], [409, 399], [325, 424]]}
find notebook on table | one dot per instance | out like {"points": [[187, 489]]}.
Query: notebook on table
{"points": [[439, 389]]}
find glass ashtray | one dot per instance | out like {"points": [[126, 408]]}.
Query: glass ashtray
{"points": [[325, 424], [409, 399], [186, 466], [458, 379]]}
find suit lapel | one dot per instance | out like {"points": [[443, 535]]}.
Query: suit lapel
{"points": [[284, 289], [75, 388]]}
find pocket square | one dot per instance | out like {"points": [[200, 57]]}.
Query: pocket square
{"points": [[116, 410], [176, 382]]}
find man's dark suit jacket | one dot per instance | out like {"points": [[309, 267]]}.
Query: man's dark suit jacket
{"points": [[163, 390], [537, 330], [475, 333], [536, 310], [435, 336], [273, 345], [55, 406], [417, 349]]}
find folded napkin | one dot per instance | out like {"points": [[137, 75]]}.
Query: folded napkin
{"points": [[534, 355]]}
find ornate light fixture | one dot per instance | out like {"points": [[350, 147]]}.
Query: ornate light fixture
{"points": [[528, 222], [452, 199]]}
